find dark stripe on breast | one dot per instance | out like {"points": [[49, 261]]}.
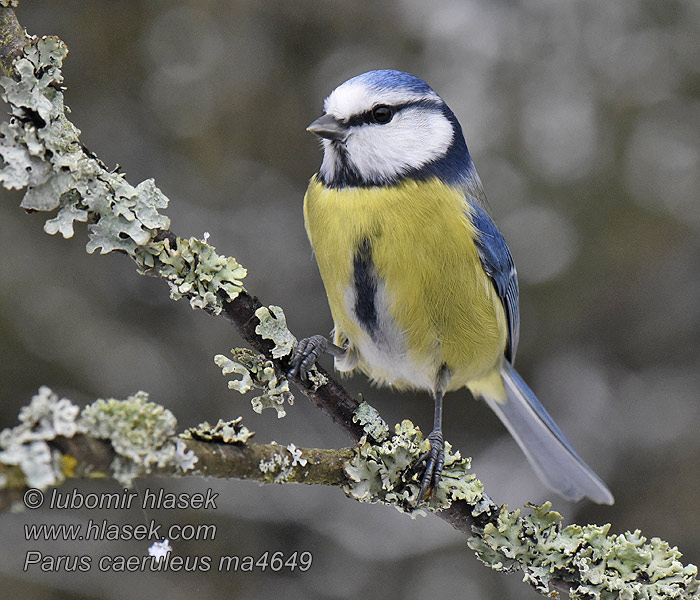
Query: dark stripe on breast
{"points": [[365, 282]]}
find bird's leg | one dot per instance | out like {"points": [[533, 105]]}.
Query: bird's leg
{"points": [[434, 458], [307, 351]]}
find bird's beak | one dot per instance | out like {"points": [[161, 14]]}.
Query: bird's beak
{"points": [[327, 126]]}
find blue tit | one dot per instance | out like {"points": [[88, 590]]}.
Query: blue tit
{"points": [[420, 282]]}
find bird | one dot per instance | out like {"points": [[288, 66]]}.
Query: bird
{"points": [[420, 282]]}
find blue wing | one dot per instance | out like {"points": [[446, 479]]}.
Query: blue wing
{"points": [[498, 264], [545, 446]]}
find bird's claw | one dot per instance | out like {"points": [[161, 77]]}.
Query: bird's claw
{"points": [[305, 355], [434, 460]]}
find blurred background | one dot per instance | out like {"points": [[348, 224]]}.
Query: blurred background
{"points": [[582, 118]]}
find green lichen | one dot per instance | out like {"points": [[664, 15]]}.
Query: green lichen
{"points": [[279, 467], [228, 432], [591, 562], [128, 216], [273, 326], [384, 473], [140, 432], [315, 378], [142, 435], [372, 423], [297, 456], [69, 212], [257, 373], [42, 152], [194, 270], [26, 445]]}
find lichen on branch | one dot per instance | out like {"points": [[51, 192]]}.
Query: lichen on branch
{"points": [[55, 441], [43, 154], [588, 560], [384, 469], [126, 439], [141, 433], [259, 372]]}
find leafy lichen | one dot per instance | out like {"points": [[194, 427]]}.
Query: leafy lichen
{"points": [[297, 456], [128, 216], [47, 416], [142, 434], [257, 372], [372, 423], [42, 152], [26, 445], [589, 560], [384, 473], [273, 326], [279, 468], [228, 432], [194, 270], [40, 466], [184, 459]]}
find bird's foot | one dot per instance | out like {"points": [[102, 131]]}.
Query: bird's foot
{"points": [[434, 460], [306, 353]]}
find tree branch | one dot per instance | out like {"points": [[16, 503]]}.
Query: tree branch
{"points": [[93, 458], [55, 441], [331, 398]]}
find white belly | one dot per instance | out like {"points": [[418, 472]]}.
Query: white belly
{"points": [[383, 355]]}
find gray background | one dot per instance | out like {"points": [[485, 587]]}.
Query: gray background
{"points": [[582, 118]]}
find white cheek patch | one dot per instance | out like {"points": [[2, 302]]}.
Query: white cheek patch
{"points": [[331, 161], [413, 138]]}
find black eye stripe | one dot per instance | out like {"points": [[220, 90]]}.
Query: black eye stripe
{"points": [[366, 118]]}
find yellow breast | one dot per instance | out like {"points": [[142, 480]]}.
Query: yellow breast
{"points": [[434, 304]]}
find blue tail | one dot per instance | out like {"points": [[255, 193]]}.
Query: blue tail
{"points": [[549, 452]]}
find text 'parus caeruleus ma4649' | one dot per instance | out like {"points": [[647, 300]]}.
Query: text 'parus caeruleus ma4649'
{"points": [[420, 282]]}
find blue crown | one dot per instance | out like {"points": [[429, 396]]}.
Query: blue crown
{"points": [[383, 79]]}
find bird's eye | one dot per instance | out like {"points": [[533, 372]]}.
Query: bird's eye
{"points": [[382, 114]]}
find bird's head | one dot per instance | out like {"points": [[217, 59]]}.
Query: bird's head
{"points": [[382, 127]]}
